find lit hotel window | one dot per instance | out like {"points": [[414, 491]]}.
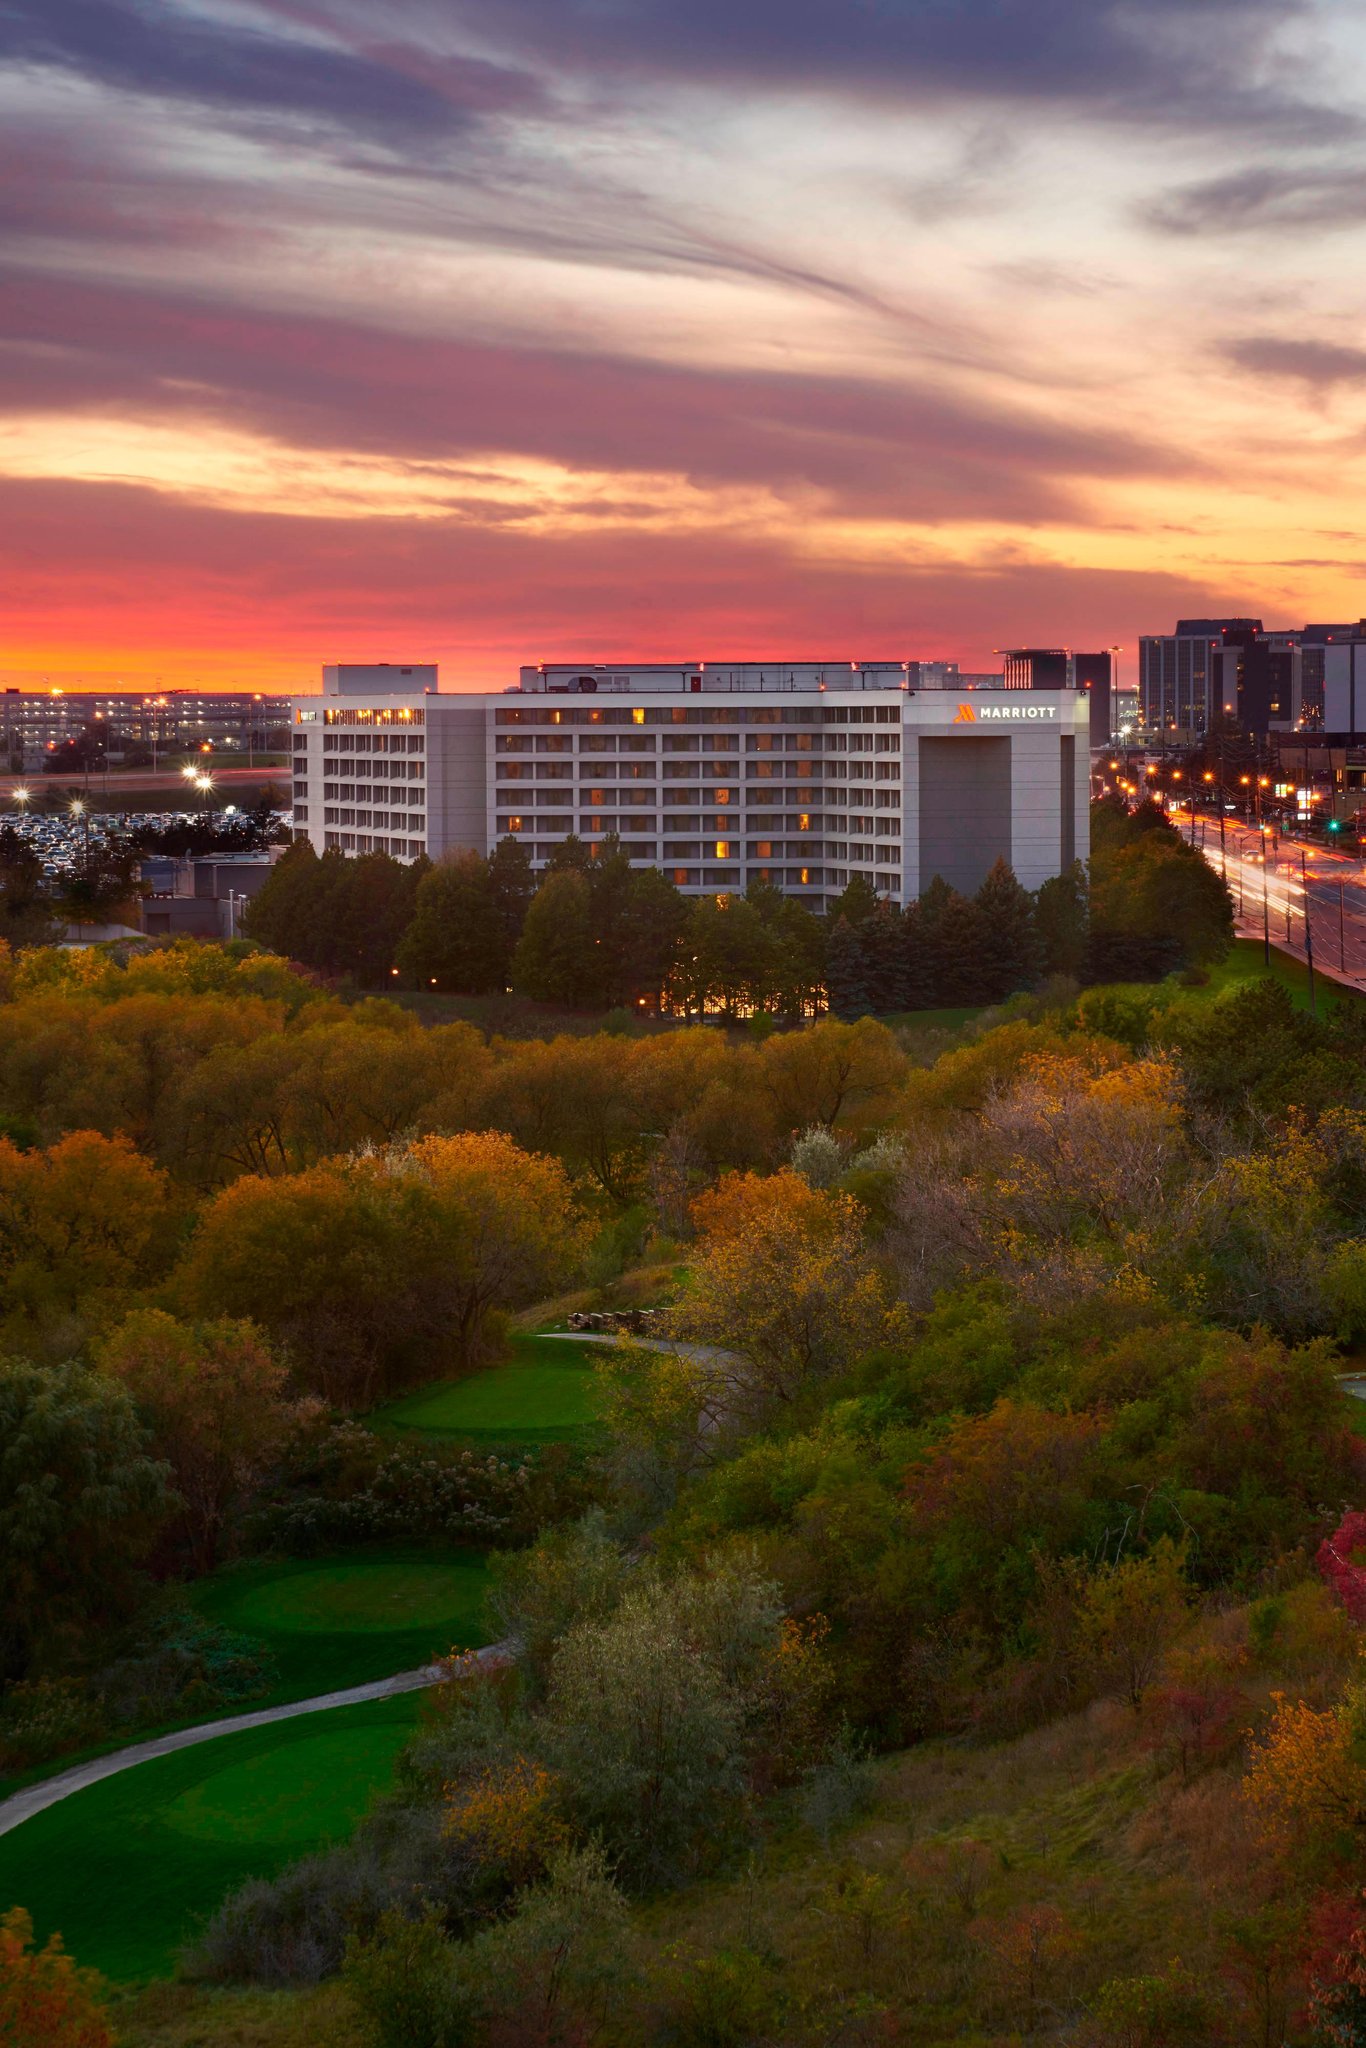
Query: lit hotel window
{"points": [[680, 876], [723, 849], [723, 796], [804, 822], [764, 849], [595, 796], [804, 875], [514, 824], [637, 717]]}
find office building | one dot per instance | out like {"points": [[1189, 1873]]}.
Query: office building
{"points": [[1344, 679], [35, 723], [1037, 668], [1237, 673], [798, 773]]}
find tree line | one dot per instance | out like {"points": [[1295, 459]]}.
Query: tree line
{"points": [[592, 932]]}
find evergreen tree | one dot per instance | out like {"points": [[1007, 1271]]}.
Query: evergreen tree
{"points": [[610, 876], [951, 947], [917, 963], [884, 960], [457, 937], [1060, 920], [553, 960], [571, 856], [855, 904], [1009, 945], [513, 885], [799, 969], [846, 974]]}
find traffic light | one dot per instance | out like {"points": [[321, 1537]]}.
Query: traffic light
{"points": [[1334, 824]]}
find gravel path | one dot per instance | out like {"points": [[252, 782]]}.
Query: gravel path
{"points": [[21, 1806]]}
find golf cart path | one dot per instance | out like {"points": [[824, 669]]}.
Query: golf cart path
{"points": [[707, 1354], [21, 1806]]}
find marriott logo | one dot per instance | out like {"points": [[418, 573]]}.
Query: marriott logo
{"points": [[970, 714]]}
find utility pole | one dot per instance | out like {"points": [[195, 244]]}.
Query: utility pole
{"points": [[1308, 932]]}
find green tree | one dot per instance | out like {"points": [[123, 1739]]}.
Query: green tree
{"points": [[513, 886], [1009, 943], [648, 1714], [553, 962], [370, 911], [26, 917], [81, 1505], [656, 917], [406, 1982], [949, 939], [289, 912], [458, 936], [1061, 916], [855, 903], [846, 973], [727, 953]]}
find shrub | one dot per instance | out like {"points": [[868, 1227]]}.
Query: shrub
{"points": [[406, 1981]]}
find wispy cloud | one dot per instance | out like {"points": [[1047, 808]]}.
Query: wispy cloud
{"points": [[1265, 199]]}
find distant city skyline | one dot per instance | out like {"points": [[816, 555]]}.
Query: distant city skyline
{"points": [[487, 331]]}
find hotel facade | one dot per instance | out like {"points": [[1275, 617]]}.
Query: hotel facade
{"points": [[802, 774]]}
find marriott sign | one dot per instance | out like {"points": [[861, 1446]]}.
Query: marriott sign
{"points": [[974, 714]]}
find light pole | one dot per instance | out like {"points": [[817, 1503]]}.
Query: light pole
{"points": [[1308, 931], [1266, 908]]}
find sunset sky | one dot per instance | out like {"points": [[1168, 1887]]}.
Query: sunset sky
{"points": [[486, 331]]}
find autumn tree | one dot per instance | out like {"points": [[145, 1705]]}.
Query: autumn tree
{"points": [[45, 2000], [214, 1399], [1306, 1782], [377, 1268], [80, 1224], [783, 1278], [81, 1505]]}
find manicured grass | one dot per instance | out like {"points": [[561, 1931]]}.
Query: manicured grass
{"points": [[1246, 961], [336, 1622], [129, 1869], [546, 1393]]}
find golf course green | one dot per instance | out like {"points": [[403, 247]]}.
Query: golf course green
{"points": [[331, 1623], [129, 1869], [546, 1393]]}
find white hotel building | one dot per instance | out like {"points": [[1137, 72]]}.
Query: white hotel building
{"points": [[719, 773]]}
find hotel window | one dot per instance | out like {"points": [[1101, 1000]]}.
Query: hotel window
{"points": [[804, 822], [723, 849]]}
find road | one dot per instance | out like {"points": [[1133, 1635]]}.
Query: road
{"points": [[1276, 896]]}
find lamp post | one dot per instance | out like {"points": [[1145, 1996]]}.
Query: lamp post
{"points": [[1266, 908], [1308, 931]]}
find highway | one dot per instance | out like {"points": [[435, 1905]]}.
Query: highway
{"points": [[1328, 887]]}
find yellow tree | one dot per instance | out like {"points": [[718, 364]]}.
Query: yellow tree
{"points": [[1306, 1781], [80, 1224], [781, 1277], [389, 1265]]}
